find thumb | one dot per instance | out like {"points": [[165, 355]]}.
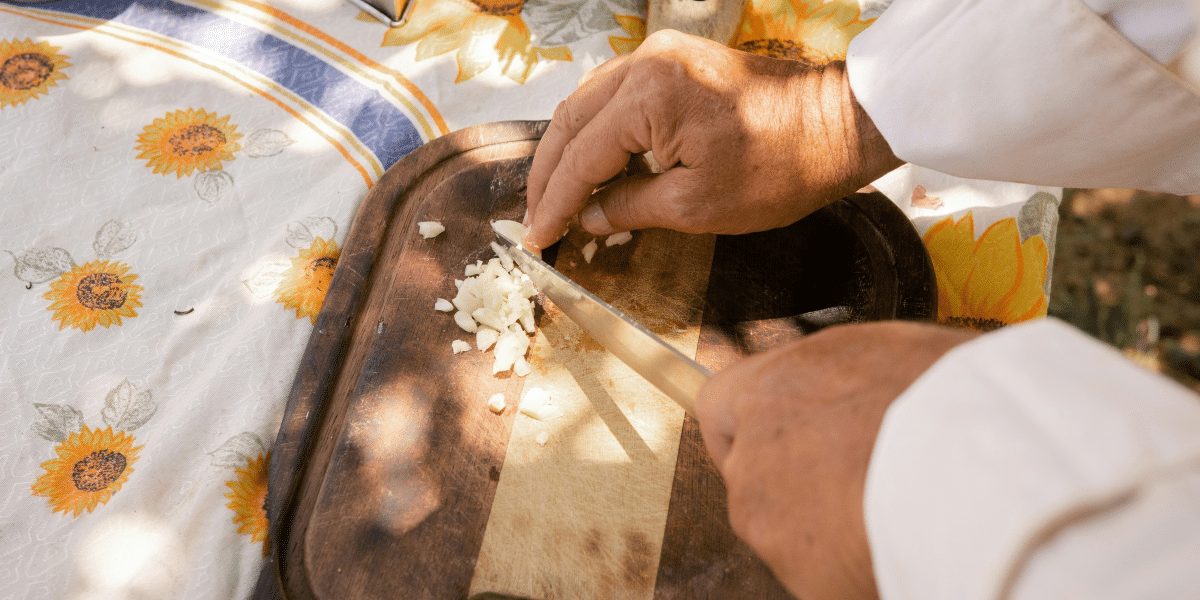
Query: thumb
{"points": [[641, 202]]}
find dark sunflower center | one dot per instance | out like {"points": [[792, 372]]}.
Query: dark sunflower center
{"points": [[195, 140], [325, 263], [98, 470], [776, 48], [101, 291], [499, 8], [26, 71], [977, 324]]}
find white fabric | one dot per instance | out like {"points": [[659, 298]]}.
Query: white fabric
{"points": [[1035, 462], [1046, 93]]}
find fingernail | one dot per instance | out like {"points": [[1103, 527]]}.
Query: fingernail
{"points": [[525, 219], [594, 220]]}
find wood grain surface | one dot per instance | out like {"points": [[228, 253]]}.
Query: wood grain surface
{"points": [[391, 478]]}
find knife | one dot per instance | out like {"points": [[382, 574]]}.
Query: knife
{"points": [[676, 375]]}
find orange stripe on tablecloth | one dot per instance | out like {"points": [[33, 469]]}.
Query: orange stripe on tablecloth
{"points": [[420, 118], [410, 86], [345, 153]]}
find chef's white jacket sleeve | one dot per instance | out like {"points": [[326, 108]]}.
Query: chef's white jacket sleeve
{"points": [[1045, 92], [1033, 463]]}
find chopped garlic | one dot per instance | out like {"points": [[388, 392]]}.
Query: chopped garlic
{"points": [[430, 229], [494, 302], [485, 337], [542, 438], [522, 367], [589, 250], [459, 346], [496, 403], [617, 239], [536, 404], [464, 320], [514, 231]]}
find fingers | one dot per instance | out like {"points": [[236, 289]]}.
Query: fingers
{"points": [[643, 201], [597, 152], [571, 115], [717, 401]]}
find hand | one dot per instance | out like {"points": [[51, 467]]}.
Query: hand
{"points": [[792, 431], [749, 143]]}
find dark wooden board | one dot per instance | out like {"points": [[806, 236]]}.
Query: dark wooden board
{"points": [[384, 469]]}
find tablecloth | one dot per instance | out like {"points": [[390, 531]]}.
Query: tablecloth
{"points": [[175, 180]]}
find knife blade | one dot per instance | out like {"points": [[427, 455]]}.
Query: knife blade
{"points": [[673, 373]]}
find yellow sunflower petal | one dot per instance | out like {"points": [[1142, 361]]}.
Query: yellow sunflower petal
{"points": [[1029, 302], [950, 247], [305, 283], [998, 269], [426, 16], [479, 51], [247, 495]]}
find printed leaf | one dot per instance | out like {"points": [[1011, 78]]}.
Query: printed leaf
{"points": [[922, 199], [56, 422], [1039, 216], [212, 185], [237, 450], [302, 233], [267, 274], [266, 142], [561, 22], [126, 407], [112, 238], [873, 8], [40, 265]]}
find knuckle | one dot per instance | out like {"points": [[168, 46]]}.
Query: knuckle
{"points": [[564, 116], [573, 160], [663, 39]]}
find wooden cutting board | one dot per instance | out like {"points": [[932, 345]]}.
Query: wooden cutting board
{"points": [[391, 478]]}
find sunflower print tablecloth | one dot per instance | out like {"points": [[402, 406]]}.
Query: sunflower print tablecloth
{"points": [[176, 177]]}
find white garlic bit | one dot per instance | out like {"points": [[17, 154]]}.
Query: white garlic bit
{"points": [[443, 305], [542, 438], [617, 239], [589, 250], [496, 403], [536, 404], [430, 229], [513, 231], [459, 346], [485, 337], [464, 321]]}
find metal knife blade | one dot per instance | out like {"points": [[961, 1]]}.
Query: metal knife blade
{"points": [[676, 375]]}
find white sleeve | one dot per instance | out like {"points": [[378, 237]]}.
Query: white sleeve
{"points": [[1035, 462], [1043, 92]]}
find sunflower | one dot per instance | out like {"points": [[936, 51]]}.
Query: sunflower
{"points": [[27, 70], [187, 140], [98, 293], [304, 283], [91, 466], [481, 31], [247, 498], [805, 30], [987, 283], [635, 28]]}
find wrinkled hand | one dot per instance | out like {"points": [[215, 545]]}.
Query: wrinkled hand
{"points": [[749, 143], [792, 431]]}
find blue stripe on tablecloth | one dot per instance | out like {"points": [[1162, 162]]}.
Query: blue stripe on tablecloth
{"points": [[380, 125]]}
